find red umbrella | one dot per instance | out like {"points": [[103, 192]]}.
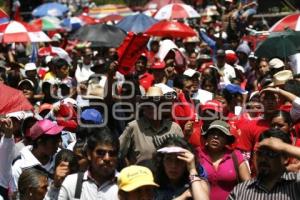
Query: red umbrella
{"points": [[12, 100], [176, 11], [157, 4], [54, 51], [88, 19], [113, 17], [21, 32], [290, 21], [171, 29]]}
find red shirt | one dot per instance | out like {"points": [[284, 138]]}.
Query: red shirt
{"points": [[250, 132]]}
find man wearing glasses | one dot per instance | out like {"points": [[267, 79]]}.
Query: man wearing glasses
{"points": [[273, 181], [99, 181]]}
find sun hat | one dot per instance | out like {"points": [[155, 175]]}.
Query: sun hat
{"points": [[171, 150], [276, 63], [222, 126], [30, 67], [281, 77], [26, 82], [44, 127], [134, 176]]}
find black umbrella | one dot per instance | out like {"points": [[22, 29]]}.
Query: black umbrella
{"points": [[279, 44], [101, 35]]}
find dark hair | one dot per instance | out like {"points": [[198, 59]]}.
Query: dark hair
{"points": [[292, 86], [29, 178], [102, 136], [213, 80], [43, 139], [178, 81], [69, 156], [160, 174], [285, 115], [272, 132], [59, 63]]}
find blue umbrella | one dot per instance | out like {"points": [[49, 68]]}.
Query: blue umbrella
{"points": [[50, 9], [72, 23], [136, 23]]}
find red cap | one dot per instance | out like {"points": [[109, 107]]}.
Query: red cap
{"points": [[158, 65], [44, 127], [213, 105]]}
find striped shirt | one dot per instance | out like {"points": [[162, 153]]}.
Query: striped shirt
{"points": [[288, 187]]}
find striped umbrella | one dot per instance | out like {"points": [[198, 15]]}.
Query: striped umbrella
{"points": [[21, 32], [47, 23], [176, 11], [110, 9], [290, 21]]}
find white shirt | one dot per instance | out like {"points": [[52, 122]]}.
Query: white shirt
{"points": [[28, 160], [83, 73], [7, 147], [228, 72], [90, 191]]}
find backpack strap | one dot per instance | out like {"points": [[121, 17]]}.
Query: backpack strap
{"points": [[78, 188], [236, 166]]}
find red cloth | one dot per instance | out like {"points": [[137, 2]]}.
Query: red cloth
{"points": [[146, 80], [183, 110]]}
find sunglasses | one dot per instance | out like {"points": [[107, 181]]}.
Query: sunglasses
{"points": [[267, 153], [102, 153]]}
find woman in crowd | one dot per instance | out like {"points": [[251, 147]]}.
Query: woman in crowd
{"points": [[32, 184], [282, 120], [224, 167], [178, 173]]}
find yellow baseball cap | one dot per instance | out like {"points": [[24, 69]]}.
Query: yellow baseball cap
{"points": [[134, 176]]}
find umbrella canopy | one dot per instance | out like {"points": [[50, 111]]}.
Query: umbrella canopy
{"points": [[47, 23], [171, 29], [71, 24], [21, 32], [54, 51], [109, 9], [290, 21], [111, 18], [101, 35], [136, 23], [12, 100], [158, 4], [279, 44], [50, 9], [4, 18], [88, 19], [176, 11]]}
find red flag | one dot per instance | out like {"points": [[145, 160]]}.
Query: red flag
{"points": [[130, 51]]}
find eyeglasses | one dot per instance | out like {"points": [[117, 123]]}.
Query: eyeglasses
{"points": [[102, 153], [268, 153]]}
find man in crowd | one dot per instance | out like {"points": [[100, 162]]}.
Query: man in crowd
{"points": [[99, 181], [272, 181]]}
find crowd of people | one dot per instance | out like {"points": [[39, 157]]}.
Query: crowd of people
{"points": [[198, 118]]}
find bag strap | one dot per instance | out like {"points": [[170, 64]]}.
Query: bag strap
{"points": [[78, 188], [236, 166]]}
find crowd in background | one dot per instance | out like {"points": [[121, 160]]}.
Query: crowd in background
{"points": [[207, 120]]}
